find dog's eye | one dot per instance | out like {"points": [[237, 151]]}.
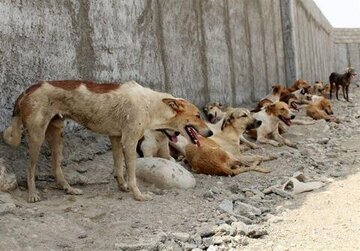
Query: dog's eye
{"points": [[198, 116]]}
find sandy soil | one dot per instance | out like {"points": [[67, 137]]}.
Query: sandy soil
{"points": [[106, 219]]}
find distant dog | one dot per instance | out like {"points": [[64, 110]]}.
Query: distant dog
{"points": [[271, 116], [121, 111], [220, 154], [298, 84], [337, 79], [321, 109]]}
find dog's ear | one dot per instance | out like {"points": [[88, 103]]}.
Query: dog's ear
{"points": [[270, 109], [177, 105], [227, 121]]}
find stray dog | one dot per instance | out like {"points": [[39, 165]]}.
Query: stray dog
{"points": [[220, 154], [274, 96], [271, 116], [155, 143], [338, 79], [321, 109], [316, 88], [298, 84], [121, 111], [214, 112]]}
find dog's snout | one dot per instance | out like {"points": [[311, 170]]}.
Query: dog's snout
{"points": [[292, 116], [331, 113], [177, 133], [209, 133], [258, 122]]}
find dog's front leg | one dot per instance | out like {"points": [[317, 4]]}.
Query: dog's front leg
{"points": [[247, 142], [264, 140], [282, 140], [129, 150], [118, 165]]}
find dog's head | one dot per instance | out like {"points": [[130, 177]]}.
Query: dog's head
{"points": [[351, 71], [277, 89], [214, 112], [292, 101], [240, 120], [280, 110], [187, 120], [300, 83], [316, 88], [325, 105], [325, 91]]}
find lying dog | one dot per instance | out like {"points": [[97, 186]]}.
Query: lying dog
{"points": [[109, 109], [271, 116], [274, 96], [155, 143], [338, 79], [321, 108], [298, 84], [220, 154]]}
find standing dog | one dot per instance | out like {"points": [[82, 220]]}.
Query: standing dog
{"points": [[121, 111], [338, 79]]}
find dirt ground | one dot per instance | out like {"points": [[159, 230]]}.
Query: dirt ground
{"points": [[107, 219]]}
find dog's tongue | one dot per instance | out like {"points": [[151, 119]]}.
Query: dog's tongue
{"points": [[174, 139], [195, 135]]}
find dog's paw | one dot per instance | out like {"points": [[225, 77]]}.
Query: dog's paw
{"points": [[124, 187], [142, 197], [73, 191], [33, 197]]}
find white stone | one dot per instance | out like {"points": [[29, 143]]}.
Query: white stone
{"points": [[164, 173]]}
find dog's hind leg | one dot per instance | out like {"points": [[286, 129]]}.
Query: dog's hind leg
{"points": [[54, 139], [118, 165], [129, 151], [237, 168]]}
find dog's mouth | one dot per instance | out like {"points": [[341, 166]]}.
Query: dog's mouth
{"points": [[193, 135], [172, 135], [285, 120], [295, 105], [329, 112]]}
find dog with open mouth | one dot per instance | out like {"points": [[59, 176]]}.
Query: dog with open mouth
{"points": [[121, 111], [271, 116], [220, 154]]}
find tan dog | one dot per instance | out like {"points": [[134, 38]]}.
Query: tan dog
{"points": [[271, 116], [220, 154], [298, 84], [274, 96], [122, 112], [321, 108]]}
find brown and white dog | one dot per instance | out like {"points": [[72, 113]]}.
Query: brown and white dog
{"points": [[220, 154], [121, 111], [337, 79], [272, 97], [271, 116], [298, 84], [321, 108]]}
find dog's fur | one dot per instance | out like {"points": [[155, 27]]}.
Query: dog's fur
{"points": [[271, 116], [155, 143], [274, 96], [121, 111], [321, 108], [337, 79], [298, 84], [220, 154]]}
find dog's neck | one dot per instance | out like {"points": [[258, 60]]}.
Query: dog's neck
{"points": [[231, 133]]}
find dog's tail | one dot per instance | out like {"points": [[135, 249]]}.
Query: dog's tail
{"points": [[12, 134]]}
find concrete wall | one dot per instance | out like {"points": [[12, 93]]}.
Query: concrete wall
{"points": [[221, 50], [314, 47], [215, 50], [347, 53]]}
